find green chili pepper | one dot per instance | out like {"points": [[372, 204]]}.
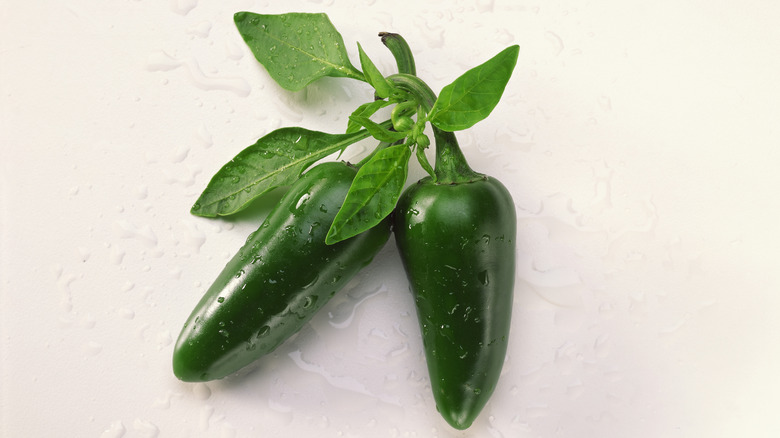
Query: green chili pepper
{"points": [[456, 237], [455, 230], [277, 281]]}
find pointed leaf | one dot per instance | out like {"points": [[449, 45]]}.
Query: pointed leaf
{"points": [[376, 130], [275, 160], [374, 76], [365, 110], [472, 96], [424, 163], [296, 48], [373, 194]]}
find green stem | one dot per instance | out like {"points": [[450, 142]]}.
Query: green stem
{"points": [[414, 85], [401, 52], [403, 57], [451, 164]]}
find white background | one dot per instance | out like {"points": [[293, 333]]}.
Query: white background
{"points": [[639, 139]]}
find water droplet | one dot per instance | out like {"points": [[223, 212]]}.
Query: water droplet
{"points": [[161, 61], [201, 391], [127, 229], [485, 5], [126, 313], [163, 401], [605, 103], [92, 348], [146, 428], [183, 7], [556, 41], [313, 281], [84, 253], [114, 430], [200, 29], [164, 339], [263, 331], [141, 192], [180, 154], [484, 278], [221, 299], [302, 201], [238, 86]]}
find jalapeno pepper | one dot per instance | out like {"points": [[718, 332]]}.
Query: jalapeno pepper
{"points": [[456, 237], [277, 281]]}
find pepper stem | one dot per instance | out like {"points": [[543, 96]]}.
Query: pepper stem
{"points": [[401, 52], [451, 165]]}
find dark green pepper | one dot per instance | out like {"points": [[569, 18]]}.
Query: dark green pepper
{"points": [[456, 237], [277, 281]]}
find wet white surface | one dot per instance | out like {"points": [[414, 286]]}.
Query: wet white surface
{"points": [[639, 140]]}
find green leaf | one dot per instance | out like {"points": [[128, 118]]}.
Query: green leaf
{"points": [[366, 110], [296, 48], [275, 160], [472, 96], [376, 130], [373, 194], [382, 87]]}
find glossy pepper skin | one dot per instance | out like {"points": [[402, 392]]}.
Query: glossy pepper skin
{"points": [[282, 275], [457, 244]]}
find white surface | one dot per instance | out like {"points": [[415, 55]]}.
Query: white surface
{"points": [[640, 140]]}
